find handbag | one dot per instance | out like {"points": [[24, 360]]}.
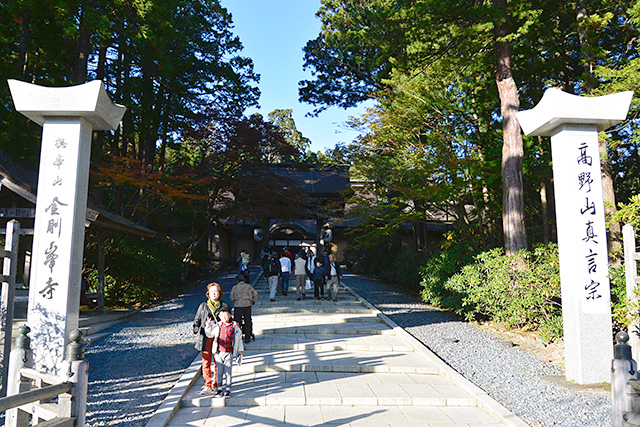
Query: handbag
{"points": [[307, 285]]}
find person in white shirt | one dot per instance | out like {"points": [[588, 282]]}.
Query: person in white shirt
{"points": [[285, 266]]}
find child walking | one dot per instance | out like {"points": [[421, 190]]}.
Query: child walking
{"points": [[227, 345]]}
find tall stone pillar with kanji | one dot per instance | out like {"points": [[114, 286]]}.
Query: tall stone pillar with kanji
{"points": [[68, 117], [573, 123]]}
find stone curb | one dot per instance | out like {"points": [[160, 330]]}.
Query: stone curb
{"points": [[485, 401], [339, 368]]}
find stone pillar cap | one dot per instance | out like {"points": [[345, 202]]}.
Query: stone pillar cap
{"points": [[89, 101], [557, 108]]}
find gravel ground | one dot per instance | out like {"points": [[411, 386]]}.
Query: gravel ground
{"points": [[509, 375], [133, 369]]}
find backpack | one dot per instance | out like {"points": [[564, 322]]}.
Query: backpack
{"points": [[271, 268]]}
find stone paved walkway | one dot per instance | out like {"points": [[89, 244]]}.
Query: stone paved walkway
{"points": [[332, 363]]}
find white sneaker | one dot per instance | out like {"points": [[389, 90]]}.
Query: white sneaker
{"points": [[206, 390]]}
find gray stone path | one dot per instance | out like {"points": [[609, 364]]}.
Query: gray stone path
{"points": [[332, 363]]}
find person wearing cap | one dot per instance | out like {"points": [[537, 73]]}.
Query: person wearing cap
{"points": [[243, 296], [208, 311], [227, 345]]}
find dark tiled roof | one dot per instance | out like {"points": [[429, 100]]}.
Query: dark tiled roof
{"points": [[315, 180]]}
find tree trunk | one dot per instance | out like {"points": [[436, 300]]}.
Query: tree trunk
{"points": [[544, 200], [515, 237], [545, 211], [614, 236], [21, 62], [80, 72]]}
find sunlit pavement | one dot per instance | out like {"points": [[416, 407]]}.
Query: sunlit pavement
{"points": [[318, 362]]}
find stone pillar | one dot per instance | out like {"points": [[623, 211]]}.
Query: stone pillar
{"points": [[573, 123], [68, 117]]}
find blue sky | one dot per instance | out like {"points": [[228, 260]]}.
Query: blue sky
{"points": [[273, 33]]}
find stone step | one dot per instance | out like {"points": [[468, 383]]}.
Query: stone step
{"points": [[357, 389], [95, 337], [90, 330], [335, 361], [303, 319], [265, 329], [291, 300], [108, 316], [262, 308], [311, 342], [324, 347], [329, 415]]}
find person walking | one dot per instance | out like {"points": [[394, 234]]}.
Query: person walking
{"points": [[325, 258], [264, 256], [318, 280], [272, 272], [300, 270], [208, 311], [333, 275], [243, 265], [243, 297], [285, 267]]}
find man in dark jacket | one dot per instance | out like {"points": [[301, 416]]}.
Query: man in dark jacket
{"points": [[272, 273], [333, 276]]}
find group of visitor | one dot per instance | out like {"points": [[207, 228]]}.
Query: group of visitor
{"points": [[310, 271]]}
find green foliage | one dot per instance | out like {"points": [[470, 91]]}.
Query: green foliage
{"points": [[519, 291], [439, 267], [628, 213], [283, 120], [137, 272], [433, 140], [622, 310], [625, 312]]}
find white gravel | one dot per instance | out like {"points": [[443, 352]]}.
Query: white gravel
{"points": [[510, 375]]}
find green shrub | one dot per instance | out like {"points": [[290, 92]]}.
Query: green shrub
{"points": [[137, 272], [440, 267], [623, 311], [520, 291]]}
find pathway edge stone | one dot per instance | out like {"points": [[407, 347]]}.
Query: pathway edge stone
{"points": [[485, 401]]}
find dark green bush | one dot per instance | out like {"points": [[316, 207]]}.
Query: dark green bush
{"points": [[623, 311], [137, 272], [441, 266], [520, 291]]}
